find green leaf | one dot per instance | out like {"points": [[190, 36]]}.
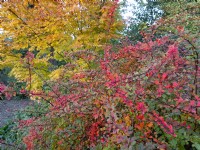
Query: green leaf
{"points": [[196, 145]]}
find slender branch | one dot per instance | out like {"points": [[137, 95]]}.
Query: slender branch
{"points": [[30, 75], [17, 16]]}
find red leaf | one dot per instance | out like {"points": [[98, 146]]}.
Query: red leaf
{"points": [[164, 76], [141, 107], [161, 122]]}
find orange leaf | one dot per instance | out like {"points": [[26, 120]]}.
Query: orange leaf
{"points": [[140, 126]]}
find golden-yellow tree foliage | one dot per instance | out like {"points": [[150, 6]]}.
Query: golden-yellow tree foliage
{"points": [[50, 29]]}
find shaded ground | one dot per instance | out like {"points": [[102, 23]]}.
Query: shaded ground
{"points": [[9, 107]]}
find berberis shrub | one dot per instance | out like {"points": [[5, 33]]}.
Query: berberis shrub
{"points": [[140, 96]]}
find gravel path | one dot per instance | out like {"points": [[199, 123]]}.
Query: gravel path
{"points": [[9, 107]]}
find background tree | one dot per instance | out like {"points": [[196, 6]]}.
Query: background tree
{"points": [[143, 15], [51, 30]]}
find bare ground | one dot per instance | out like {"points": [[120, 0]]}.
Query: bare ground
{"points": [[9, 107]]}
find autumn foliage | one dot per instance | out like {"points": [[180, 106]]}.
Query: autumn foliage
{"points": [[50, 31], [145, 93], [115, 106]]}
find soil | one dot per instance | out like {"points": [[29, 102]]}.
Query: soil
{"points": [[9, 107]]}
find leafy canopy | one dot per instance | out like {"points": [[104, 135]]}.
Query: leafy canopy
{"points": [[50, 30]]}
